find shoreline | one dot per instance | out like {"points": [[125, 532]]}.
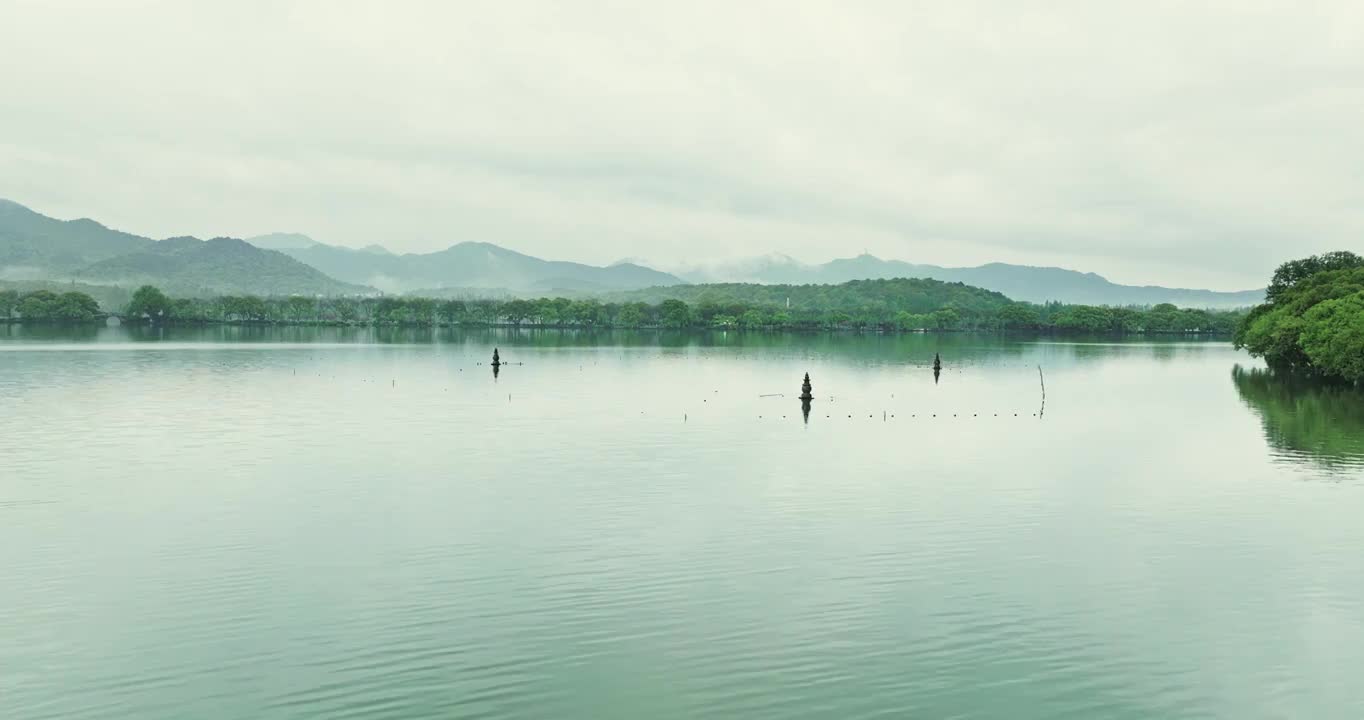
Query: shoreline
{"points": [[104, 322]]}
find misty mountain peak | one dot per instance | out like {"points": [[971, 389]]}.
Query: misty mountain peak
{"points": [[282, 241]]}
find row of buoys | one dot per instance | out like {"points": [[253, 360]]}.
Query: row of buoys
{"points": [[807, 394], [807, 391], [885, 415]]}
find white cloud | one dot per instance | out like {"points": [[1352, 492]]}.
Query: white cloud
{"points": [[1174, 143]]}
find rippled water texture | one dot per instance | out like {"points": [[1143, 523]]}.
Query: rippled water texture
{"points": [[247, 523]]}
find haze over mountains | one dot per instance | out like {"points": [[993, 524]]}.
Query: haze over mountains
{"points": [[471, 265], [36, 247], [1018, 282], [282, 241]]}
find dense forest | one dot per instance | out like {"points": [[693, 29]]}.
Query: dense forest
{"points": [[877, 305], [46, 305], [1313, 318]]}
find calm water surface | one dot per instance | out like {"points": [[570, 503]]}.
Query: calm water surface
{"points": [[295, 523]]}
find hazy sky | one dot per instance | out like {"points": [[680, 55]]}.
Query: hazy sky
{"points": [[1163, 142]]}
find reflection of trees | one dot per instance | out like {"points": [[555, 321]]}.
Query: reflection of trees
{"points": [[1306, 417], [58, 332]]}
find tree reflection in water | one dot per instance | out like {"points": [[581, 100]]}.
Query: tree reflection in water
{"points": [[1304, 418]]}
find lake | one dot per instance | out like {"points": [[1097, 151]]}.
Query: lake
{"points": [[233, 522]]}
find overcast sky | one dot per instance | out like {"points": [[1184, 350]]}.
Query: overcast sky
{"points": [[1175, 143]]}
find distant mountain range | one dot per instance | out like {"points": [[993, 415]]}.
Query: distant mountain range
{"points": [[36, 248], [1019, 282], [36, 244], [219, 266], [470, 265]]}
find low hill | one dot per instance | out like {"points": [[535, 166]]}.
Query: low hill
{"points": [[38, 249], [474, 265], [1020, 282], [34, 246], [190, 266], [914, 295]]}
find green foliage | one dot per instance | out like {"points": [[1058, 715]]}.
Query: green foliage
{"points": [[9, 301], [76, 306], [1018, 316], [896, 311], [1083, 318], [1289, 274], [674, 314], [149, 302], [947, 319], [107, 296], [1333, 336], [1314, 319], [45, 305], [1274, 335], [632, 315], [874, 296]]}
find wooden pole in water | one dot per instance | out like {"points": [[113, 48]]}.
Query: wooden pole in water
{"points": [[1042, 410]]}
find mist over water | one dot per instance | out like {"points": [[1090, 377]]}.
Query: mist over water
{"points": [[323, 523]]}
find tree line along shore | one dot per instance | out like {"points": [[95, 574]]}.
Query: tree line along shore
{"points": [[902, 305], [1311, 323]]}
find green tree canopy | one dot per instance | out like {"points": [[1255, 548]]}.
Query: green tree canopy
{"points": [[9, 301], [1313, 319], [1333, 336], [1019, 316], [47, 305], [1289, 274], [148, 301]]}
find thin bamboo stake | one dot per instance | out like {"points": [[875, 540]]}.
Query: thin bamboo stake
{"points": [[1041, 411]]}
